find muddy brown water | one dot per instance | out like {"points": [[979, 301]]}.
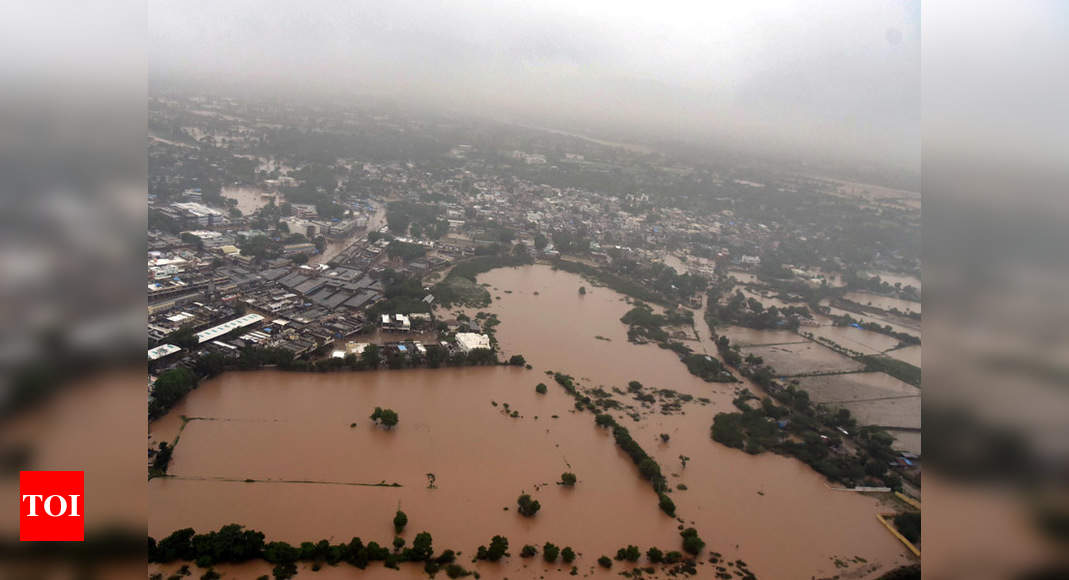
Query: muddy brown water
{"points": [[283, 428]]}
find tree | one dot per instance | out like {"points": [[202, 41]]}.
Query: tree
{"points": [[630, 553], [550, 552], [400, 520], [184, 337], [517, 360], [667, 505], [422, 548], [169, 388], [540, 388], [567, 478], [540, 242], [582, 290], [372, 356], [499, 547], [568, 555], [386, 417], [692, 544], [527, 506], [605, 562], [528, 551], [655, 555], [909, 524]]}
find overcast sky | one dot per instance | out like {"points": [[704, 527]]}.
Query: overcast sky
{"points": [[838, 76]]}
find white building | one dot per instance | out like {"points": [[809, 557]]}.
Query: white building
{"points": [[468, 341]]}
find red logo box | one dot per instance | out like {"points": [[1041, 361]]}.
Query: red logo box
{"points": [[51, 506]]}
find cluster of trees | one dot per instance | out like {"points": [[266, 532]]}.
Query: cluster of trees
{"points": [[550, 552], [898, 369], [459, 287], [235, 544], [161, 460], [750, 312], [706, 367], [816, 430], [499, 547], [644, 323], [387, 418], [169, 388], [424, 220], [405, 250], [875, 284], [619, 283]]}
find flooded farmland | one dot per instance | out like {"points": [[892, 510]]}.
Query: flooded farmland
{"points": [[803, 358], [883, 302], [293, 435], [910, 354], [855, 339]]}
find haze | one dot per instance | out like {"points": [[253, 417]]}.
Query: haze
{"points": [[841, 82]]}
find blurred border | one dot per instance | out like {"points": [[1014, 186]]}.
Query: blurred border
{"points": [[72, 208], [996, 247]]}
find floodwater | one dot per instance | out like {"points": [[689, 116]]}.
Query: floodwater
{"points": [[744, 336], [249, 199], [803, 358], [857, 339], [910, 354], [896, 278], [773, 512], [883, 302]]}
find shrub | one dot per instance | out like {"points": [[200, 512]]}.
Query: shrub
{"points": [[550, 552], [528, 507], [692, 544], [630, 553], [400, 520]]}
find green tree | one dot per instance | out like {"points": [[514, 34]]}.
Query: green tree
{"points": [[605, 562], [528, 551], [386, 417], [630, 553], [655, 555], [527, 506], [568, 554], [540, 242], [550, 552], [422, 547], [400, 519], [692, 544], [540, 388], [183, 337], [499, 547], [372, 356], [567, 478]]}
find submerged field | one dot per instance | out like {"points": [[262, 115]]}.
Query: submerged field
{"points": [[292, 434]]}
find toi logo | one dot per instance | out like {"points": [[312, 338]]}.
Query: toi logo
{"points": [[51, 506]]}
